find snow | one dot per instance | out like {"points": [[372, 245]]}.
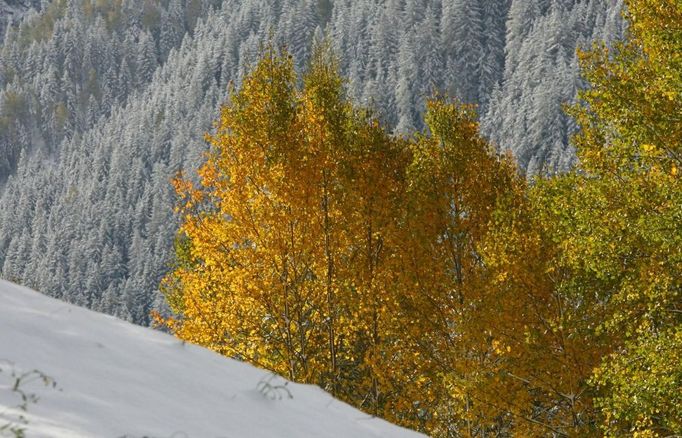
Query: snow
{"points": [[115, 379], [12, 11]]}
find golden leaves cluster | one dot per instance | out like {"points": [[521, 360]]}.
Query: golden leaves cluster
{"points": [[319, 246], [421, 279]]}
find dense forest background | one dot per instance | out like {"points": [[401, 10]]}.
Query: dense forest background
{"points": [[103, 102]]}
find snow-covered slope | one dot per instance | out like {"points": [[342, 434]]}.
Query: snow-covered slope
{"points": [[12, 10], [116, 379]]}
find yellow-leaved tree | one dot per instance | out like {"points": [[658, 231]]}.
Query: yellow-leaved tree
{"points": [[285, 249], [421, 279], [320, 247], [455, 182], [624, 233], [587, 270]]}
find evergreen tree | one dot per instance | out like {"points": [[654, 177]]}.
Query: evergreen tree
{"points": [[72, 80]]}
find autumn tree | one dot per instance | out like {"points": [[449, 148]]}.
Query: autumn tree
{"points": [[625, 230], [537, 335], [321, 247], [455, 182], [589, 271], [283, 254], [241, 286]]}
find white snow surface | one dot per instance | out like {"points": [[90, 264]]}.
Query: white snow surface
{"points": [[115, 379]]}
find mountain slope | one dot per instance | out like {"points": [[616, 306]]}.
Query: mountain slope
{"points": [[12, 11], [88, 148], [115, 379]]}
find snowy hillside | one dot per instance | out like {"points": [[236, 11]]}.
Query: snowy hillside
{"points": [[90, 220], [12, 11], [116, 379]]}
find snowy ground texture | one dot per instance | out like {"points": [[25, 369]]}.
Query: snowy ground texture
{"points": [[114, 379]]}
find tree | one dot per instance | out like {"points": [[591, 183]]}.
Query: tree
{"points": [[624, 231], [406, 102], [463, 40], [320, 247], [591, 257], [455, 181]]}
